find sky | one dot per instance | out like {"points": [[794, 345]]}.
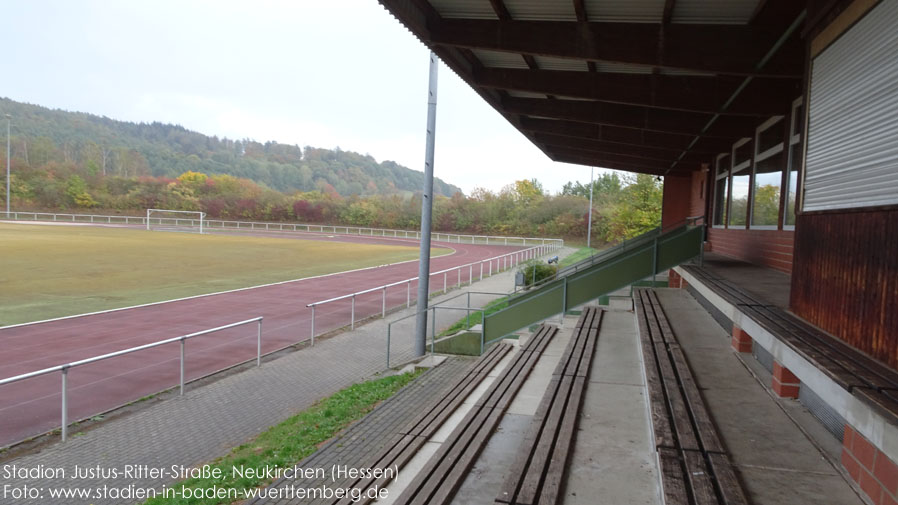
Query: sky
{"points": [[323, 73]]}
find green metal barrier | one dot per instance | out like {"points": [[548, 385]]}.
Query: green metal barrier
{"points": [[644, 260]]}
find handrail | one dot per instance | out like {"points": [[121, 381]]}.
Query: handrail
{"points": [[281, 226], [64, 368], [510, 260]]}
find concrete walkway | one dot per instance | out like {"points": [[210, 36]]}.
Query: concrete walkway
{"points": [[209, 420]]}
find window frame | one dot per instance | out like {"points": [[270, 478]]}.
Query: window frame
{"points": [[726, 198], [757, 158], [794, 138], [733, 168]]}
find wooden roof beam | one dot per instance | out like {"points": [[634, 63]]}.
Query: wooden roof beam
{"points": [[715, 49], [763, 98]]}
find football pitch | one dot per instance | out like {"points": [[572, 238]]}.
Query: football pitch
{"points": [[54, 271]]}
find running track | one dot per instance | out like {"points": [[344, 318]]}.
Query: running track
{"points": [[32, 406]]}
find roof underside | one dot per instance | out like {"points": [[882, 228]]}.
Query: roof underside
{"points": [[650, 86]]}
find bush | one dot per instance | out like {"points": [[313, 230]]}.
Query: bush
{"points": [[536, 271]]}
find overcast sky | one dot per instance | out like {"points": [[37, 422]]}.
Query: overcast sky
{"points": [[324, 73]]}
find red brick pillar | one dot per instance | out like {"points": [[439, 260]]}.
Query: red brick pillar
{"points": [[785, 383], [741, 341], [675, 280], [874, 472]]}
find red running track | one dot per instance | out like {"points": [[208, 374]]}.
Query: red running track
{"points": [[32, 406]]}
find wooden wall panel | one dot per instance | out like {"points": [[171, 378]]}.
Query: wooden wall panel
{"points": [[845, 278]]}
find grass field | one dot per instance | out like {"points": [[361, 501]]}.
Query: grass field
{"points": [[54, 271]]}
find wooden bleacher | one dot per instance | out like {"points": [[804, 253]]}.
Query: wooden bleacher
{"points": [[441, 477], [862, 376], [537, 473], [695, 468]]}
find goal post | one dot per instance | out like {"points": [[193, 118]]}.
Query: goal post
{"points": [[190, 221]]}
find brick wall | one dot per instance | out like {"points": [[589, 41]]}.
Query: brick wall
{"points": [[875, 473], [770, 248]]}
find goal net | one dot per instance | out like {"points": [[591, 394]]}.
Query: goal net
{"points": [[175, 220]]}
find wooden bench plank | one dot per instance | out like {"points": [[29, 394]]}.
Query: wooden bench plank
{"points": [[430, 420], [561, 454], [730, 490], [707, 433], [443, 473], [530, 486], [698, 476], [673, 482]]}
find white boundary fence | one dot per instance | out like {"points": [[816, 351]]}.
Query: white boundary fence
{"points": [[64, 369], [212, 224], [502, 262]]}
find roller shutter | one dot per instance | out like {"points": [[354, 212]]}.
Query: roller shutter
{"points": [[852, 151]]}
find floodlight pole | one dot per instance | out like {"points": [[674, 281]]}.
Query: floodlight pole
{"points": [[426, 208], [8, 119], [589, 222]]}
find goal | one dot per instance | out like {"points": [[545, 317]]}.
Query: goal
{"points": [[189, 221]]}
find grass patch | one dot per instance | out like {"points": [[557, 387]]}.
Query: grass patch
{"points": [[476, 317], [289, 442], [54, 271], [579, 255]]}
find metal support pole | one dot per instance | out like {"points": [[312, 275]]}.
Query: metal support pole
{"points": [[259, 345], [433, 328], [408, 295], [426, 210], [563, 302], [8, 120], [470, 274], [352, 314], [654, 260], [459, 276], [444, 282], [481, 270], [383, 310], [65, 407], [389, 328], [491, 269], [313, 325], [182, 367]]}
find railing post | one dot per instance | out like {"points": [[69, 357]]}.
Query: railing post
{"points": [[470, 274], [65, 406], [481, 270], [352, 314], [313, 325], [482, 330], [182, 368], [384, 308], [389, 328], [444, 282], [491, 269], [259, 345], [468, 306], [459, 277], [433, 327], [654, 260], [563, 302], [408, 295]]}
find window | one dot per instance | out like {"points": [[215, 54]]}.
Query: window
{"points": [[721, 185], [741, 168], [767, 175], [795, 154]]}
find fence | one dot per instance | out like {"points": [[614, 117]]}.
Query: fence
{"points": [[284, 227], [460, 275], [64, 369], [401, 332]]}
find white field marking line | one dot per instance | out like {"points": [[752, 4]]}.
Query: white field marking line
{"points": [[454, 251]]}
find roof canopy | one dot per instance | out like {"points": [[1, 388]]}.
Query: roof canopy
{"points": [[651, 86]]}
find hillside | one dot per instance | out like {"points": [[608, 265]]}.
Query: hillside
{"points": [[119, 148]]}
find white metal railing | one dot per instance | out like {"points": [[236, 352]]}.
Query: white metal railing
{"points": [[503, 262], [64, 369], [268, 226]]}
